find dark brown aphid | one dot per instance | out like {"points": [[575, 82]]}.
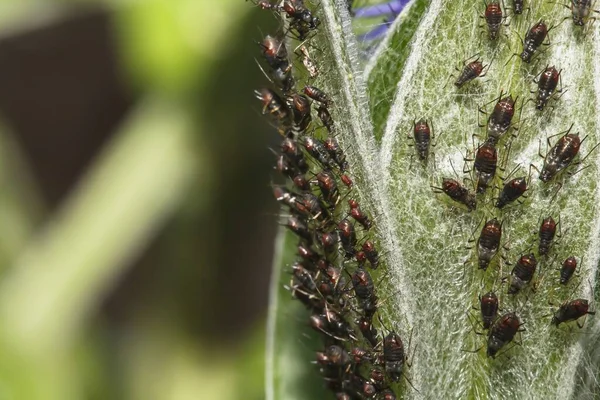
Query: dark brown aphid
{"points": [[511, 191], [317, 95], [284, 167], [387, 394], [300, 106], [299, 228], [534, 39], [571, 311], [371, 253], [308, 254], [336, 153], [360, 355], [292, 151], [561, 155], [377, 378], [303, 278], [317, 149], [393, 356], [547, 233], [365, 291], [347, 181], [580, 11], [347, 236], [547, 83], [301, 183], [365, 325], [422, 137], [493, 18], [488, 242], [517, 6], [328, 241], [328, 187], [337, 355], [332, 324], [457, 192], [275, 52], [522, 273], [309, 205], [470, 71], [486, 161], [303, 21], [488, 304], [358, 215], [325, 117], [503, 332], [273, 104], [568, 269], [500, 119], [284, 196]]}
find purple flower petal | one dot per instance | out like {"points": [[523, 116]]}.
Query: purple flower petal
{"points": [[393, 7]]}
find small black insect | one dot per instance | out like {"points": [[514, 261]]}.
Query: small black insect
{"points": [[335, 151], [561, 155], [273, 104], [518, 6], [488, 304], [293, 153], [547, 83], [365, 325], [423, 137], [297, 226], [317, 95], [365, 291], [486, 162], [493, 18], [371, 253], [546, 233], [522, 273], [347, 236], [472, 70], [500, 119], [317, 149], [535, 38], [358, 215], [457, 192], [300, 106], [488, 242], [502, 332], [328, 186], [393, 356], [302, 20], [512, 190], [572, 311], [567, 270]]}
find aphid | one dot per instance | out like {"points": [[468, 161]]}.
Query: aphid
{"points": [[332, 280], [568, 269], [493, 18], [560, 155], [347, 181], [422, 136], [457, 192], [365, 291], [306, 253], [486, 161], [522, 273], [303, 278], [547, 83], [371, 253], [325, 118], [547, 233], [470, 71], [387, 394], [275, 52], [518, 6], [393, 356], [511, 191], [347, 236], [358, 215], [308, 63], [580, 11], [328, 187], [488, 242], [300, 107], [337, 355], [273, 104], [333, 147], [301, 183], [308, 205], [332, 324], [488, 304], [317, 95], [292, 151], [317, 149], [361, 258], [534, 39], [303, 21], [284, 196], [377, 378], [328, 241], [365, 325], [284, 167], [299, 228], [503, 332], [571, 311], [500, 119]]}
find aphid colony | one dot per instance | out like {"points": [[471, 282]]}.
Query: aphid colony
{"points": [[560, 159], [337, 251]]}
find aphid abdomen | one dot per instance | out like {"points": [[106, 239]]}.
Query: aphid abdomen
{"points": [[469, 72], [393, 355], [422, 136], [493, 18], [568, 269]]}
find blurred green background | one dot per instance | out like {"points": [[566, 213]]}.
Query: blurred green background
{"points": [[137, 223]]}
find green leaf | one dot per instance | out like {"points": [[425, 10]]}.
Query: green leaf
{"points": [[432, 281]]}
